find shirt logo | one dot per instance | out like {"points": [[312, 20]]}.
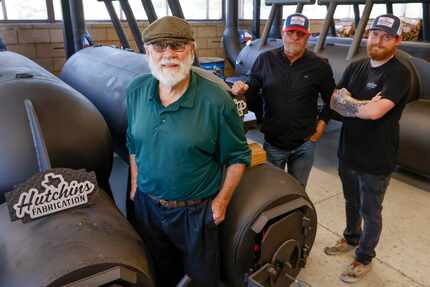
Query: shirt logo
{"points": [[297, 20], [385, 21], [241, 107], [371, 85]]}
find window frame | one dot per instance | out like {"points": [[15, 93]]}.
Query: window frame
{"points": [[51, 15], [49, 12]]}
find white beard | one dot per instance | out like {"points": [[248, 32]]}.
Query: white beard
{"points": [[169, 77]]}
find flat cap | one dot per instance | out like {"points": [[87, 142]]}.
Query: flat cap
{"points": [[168, 28]]}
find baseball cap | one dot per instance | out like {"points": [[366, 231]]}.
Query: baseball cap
{"points": [[387, 23], [298, 22]]}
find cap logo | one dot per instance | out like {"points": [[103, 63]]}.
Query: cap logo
{"points": [[297, 20], [385, 21]]}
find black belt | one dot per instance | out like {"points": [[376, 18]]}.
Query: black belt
{"points": [[178, 203]]}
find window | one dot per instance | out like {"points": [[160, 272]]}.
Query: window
{"points": [[193, 9], [215, 9], [161, 7], [138, 10], [23, 10], [1, 11], [412, 10], [26, 10], [93, 10], [202, 9]]}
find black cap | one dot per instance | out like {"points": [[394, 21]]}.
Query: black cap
{"points": [[387, 23]]}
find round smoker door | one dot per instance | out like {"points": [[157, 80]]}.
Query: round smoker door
{"points": [[268, 209]]}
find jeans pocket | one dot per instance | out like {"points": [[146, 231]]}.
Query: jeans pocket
{"points": [[136, 196], [209, 215]]}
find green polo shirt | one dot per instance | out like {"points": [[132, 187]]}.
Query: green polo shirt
{"points": [[181, 149]]}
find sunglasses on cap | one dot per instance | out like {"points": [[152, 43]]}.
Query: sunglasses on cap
{"points": [[177, 46]]}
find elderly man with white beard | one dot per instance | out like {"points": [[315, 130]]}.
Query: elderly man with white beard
{"points": [[183, 132]]}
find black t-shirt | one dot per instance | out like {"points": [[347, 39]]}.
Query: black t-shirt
{"points": [[289, 94], [371, 146]]}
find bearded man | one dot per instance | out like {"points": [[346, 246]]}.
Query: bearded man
{"points": [[183, 131], [285, 84], [371, 96]]}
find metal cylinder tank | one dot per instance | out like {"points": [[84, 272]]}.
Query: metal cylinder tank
{"points": [[75, 133], [88, 246], [269, 211]]}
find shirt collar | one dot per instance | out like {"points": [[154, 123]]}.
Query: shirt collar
{"points": [[285, 58], [187, 99]]}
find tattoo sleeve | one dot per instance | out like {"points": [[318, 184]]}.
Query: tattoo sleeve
{"points": [[343, 103]]}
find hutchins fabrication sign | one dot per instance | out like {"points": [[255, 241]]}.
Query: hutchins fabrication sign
{"points": [[50, 192]]}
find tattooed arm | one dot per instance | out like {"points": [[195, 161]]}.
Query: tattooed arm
{"points": [[342, 102]]}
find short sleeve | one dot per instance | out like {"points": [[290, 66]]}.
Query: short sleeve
{"points": [[232, 145], [130, 118], [396, 85], [346, 76]]}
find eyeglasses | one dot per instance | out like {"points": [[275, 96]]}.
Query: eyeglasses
{"points": [[299, 34], [176, 46]]}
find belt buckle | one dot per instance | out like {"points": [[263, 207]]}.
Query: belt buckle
{"points": [[164, 202]]}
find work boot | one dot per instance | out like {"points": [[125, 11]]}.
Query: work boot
{"points": [[355, 272], [340, 247]]}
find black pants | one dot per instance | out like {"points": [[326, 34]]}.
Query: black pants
{"points": [[180, 241], [364, 194]]}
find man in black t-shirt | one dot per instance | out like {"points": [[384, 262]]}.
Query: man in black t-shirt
{"points": [[370, 96], [290, 79]]}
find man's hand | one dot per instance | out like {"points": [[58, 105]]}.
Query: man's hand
{"points": [[220, 203], [219, 209], [376, 108], [239, 88], [321, 125], [377, 97], [133, 176], [133, 190]]}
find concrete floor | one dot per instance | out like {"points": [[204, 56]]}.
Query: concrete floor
{"points": [[403, 254], [402, 259]]}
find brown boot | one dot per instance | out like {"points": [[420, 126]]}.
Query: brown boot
{"points": [[355, 272], [340, 247]]}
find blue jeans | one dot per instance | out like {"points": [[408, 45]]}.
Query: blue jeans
{"points": [[299, 161], [364, 194], [180, 241]]}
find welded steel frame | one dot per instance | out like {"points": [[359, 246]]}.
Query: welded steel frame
{"points": [[175, 8], [256, 11], [149, 10], [361, 26], [116, 22], [132, 23], [69, 46]]}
